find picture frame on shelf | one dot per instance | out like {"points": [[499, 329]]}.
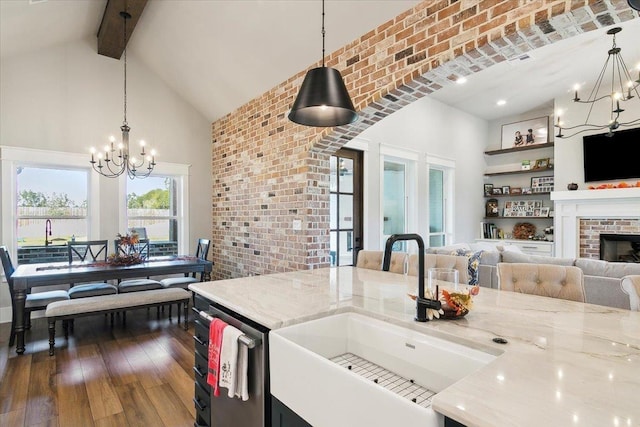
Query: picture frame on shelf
{"points": [[488, 189], [526, 190], [525, 132], [541, 164], [491, 208], [542, 184], [544, 212], [516, 190], [506, 189], [496, 191]]}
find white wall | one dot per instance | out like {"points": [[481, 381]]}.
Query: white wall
{"points": [[428, 127], [568, 151], [68, 98]]}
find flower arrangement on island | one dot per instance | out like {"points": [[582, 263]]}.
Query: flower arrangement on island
{"points": [[126, 251], [454, 304], [460, 303]]}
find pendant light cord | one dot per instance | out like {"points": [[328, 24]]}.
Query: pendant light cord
{"points": [[125, 16], [323, 33]]}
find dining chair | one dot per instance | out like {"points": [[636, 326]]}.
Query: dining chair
{"points": [[134, 285], [202, 251], [89, 251], [459, 263], [555, 281], [631, 286], [371, 260], [35, 301]]}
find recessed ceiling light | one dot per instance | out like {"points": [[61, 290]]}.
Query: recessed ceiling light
{"points": [[461, 80], [501, 102]]}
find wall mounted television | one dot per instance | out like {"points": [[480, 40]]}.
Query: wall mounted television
{"points": [[608, 158]]}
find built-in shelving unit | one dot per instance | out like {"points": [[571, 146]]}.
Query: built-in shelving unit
{"points": [[500, 226]]}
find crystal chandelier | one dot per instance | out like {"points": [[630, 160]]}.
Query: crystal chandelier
{"points": [[623, 89], [114, 161]]}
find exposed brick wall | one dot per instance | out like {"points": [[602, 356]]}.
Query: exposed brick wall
{"points": [[590, 229], [268, 171]]}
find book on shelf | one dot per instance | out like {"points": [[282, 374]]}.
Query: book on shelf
{"points": [[489, 230]]}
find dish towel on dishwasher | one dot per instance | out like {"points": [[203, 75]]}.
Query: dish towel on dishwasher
{"points": [[229, 359], [216, 329]]}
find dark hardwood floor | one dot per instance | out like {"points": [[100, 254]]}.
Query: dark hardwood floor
{"points": [[138, 375]]}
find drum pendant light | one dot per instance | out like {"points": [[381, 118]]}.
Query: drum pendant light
{"points": [[323, 100]]}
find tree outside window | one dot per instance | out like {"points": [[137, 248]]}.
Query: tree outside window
{"points": [[152, 204]]}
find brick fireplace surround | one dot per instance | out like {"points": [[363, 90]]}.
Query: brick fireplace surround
{"points": [[268, 171], [580, 217], [590, 229]]}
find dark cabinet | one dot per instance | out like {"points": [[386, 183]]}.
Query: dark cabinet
{"points": [[282, 416], [202, 391]]}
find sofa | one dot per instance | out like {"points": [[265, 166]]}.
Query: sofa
{"points": [[602, 279]]}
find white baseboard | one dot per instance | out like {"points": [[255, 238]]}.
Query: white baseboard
{"points": [[5, 314]]}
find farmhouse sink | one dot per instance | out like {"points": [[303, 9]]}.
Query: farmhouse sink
{"points": [[353, 370]]}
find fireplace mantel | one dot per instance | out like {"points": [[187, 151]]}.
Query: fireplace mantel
{"points": [[598, 195], [571, 206]]}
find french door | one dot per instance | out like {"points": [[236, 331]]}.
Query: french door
{"points": [[345, 188]]}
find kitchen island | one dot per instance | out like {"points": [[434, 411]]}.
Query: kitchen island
{"points": [[565, 363]]}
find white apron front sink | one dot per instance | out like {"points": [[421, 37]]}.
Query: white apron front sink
{"points": [[309, 374]]}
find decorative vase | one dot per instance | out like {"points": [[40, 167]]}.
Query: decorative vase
{"points": [[573, 186]]}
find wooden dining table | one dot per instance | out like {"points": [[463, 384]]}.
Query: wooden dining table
{"points": [[28, 276]]}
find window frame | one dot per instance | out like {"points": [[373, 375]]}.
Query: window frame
{"points": [[180, 173], [448, 168], [409, 159], [12, 158]]}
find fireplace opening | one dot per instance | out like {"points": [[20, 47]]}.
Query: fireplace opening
{"points": [[620, 247]]}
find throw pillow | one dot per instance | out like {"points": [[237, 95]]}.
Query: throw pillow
{"points": [[474, 262]]}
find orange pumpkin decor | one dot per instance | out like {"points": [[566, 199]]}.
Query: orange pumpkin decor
{"points": [[619, 185]]}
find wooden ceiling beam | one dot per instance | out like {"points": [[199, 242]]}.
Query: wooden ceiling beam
{"points": [[111, 41]]}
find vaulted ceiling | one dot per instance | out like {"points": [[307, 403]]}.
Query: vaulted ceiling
{"points": [[220, 54]]}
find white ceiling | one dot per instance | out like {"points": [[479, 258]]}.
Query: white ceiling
{"points": [[548, 72], [220, 54]]}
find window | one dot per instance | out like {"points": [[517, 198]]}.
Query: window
{"points": [[399, 194], [38, 185], [152, 204], [51, 200], [441, 172]]}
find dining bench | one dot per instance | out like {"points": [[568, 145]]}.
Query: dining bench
{"points": [[70, 309]]}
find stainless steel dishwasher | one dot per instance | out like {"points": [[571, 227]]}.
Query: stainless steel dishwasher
{"points": [[255, 412]]}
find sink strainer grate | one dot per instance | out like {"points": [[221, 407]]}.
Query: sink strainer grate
{"points": [[401, 386]]}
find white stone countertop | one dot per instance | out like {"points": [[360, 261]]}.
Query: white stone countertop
{"points": [[565, 364]]}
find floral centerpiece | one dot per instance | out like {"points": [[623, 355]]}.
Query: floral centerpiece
{"points": [[126, 250], [458, 303], [454, 304]]}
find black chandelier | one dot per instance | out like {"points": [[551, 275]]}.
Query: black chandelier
{"points": [[623, 89], [114, 161], [323, 99]]}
